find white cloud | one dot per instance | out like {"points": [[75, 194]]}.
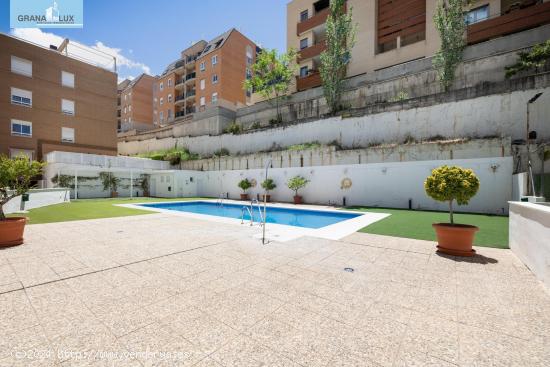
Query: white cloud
{"points": [[98, 54]]}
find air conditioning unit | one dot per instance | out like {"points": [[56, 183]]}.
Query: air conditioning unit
{"points": [[533, 199]]}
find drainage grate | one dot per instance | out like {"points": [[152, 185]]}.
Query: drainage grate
{"points": [[349, 270]]}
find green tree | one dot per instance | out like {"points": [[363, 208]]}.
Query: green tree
{"points": [[296, 183], [272, 75], [450, 184], [538, 57], [268, 184], [16, 175], [451, 25], [340, 39], [244, 185]]}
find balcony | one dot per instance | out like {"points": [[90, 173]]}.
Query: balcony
{"points": [[179, 84], [179, 114], [311, 81], [190, 76], [313, 50], [317, 19], [179, 64], [512, 21], [190, 93], [179, 99]]}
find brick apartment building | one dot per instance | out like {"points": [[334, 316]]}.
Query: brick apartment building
{"points": [[135, 103], [392, 32], [207, 73], [120, 87], [49, 102]]}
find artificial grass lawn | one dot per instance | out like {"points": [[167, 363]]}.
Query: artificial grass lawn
{"points": [[89, 209], [493, 230]]}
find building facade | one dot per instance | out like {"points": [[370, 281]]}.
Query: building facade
{"points": [[207, 74], [136, 103], [52, 102], [120, 87], [393, 32]]}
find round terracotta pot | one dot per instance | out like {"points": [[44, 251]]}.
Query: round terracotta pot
{"points": [[114, 194], [244, 196], [146, 193], [267, 198], [297, 199], [455, 239], [11, 231]]}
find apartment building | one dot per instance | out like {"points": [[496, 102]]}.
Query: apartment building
{"points": [[392, 32], [136, 103], [120, 87], [207, 74], [52, 102]]}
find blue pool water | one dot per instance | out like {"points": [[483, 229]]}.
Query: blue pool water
{"points": [[287, 216]]}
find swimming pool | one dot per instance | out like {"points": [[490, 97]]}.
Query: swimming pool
{"points": [[287, 216]]}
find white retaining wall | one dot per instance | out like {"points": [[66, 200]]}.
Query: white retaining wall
{"points": [[494, 115], [530, 237], [377, 184], [38, 198]]}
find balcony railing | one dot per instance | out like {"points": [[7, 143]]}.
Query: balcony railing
{"points": [[190, 110], [513, 21], [179, 64], [180, 113], [313, 50], [190, 93], [181, 97], [315, 20], [311, 81], [179, 81], [190, 76]]}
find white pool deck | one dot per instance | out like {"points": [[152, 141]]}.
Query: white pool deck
{"points": [[278, 232]]}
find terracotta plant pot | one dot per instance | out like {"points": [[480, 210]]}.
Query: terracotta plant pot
{"points": [[11, 231], [114, 194], [297, 199], [267, 197], [455, 239], [244, 196], [146, 193]]}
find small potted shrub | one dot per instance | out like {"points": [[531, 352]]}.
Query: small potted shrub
{"points": [[110, 183], [296, 183], [245, 185], [144, 183], [450, 184], [268, 185], [16, 175]]}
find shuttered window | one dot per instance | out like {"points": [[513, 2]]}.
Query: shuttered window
{"points": [[67, 79], [21, 66], [400, 18], [67, 135], [21, 97], [67, 107]]}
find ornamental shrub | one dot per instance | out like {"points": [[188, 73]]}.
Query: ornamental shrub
{"points": [[245, 185], [296, 183], [268, 184], [452, 183]]}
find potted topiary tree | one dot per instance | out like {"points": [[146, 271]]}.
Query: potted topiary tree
{"points": [[245, 185], [450, 184], [268, 185], [296, 183], [144, 183], [16, 175]]}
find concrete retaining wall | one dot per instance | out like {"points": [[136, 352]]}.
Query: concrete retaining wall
{"points": [[39, 198], [530, 237]]}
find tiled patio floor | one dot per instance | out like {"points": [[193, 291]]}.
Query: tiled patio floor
{"points": [[117, 292]]}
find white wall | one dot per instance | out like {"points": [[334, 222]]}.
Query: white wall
{"points": [[494, 115], [530, 237], [377, 184], [38, 198], [174, 184]]}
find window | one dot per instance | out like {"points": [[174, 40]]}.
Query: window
{"points": [[67, 135], [124, 109], [21, 128], [169, 82], [202, 101], [21, 152], [67, 79], [125, 97], [161, 86], [477, 15], [169, 98], [169, 114], [303, 71], [249, 92], [214, 78], [130, 108], [248, 55], [304, 15], [67, 107], [161, 114], [214, 97], [21, 97], [248, 73], [21, 66], [214, 60], [303, 43], [202, 84], [161, 101], [202, 67]]}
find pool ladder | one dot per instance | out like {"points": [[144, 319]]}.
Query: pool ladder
{"points": [[250, 210], [220, 200]]}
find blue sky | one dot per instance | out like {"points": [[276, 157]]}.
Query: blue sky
{"points": [[147, 35]]}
